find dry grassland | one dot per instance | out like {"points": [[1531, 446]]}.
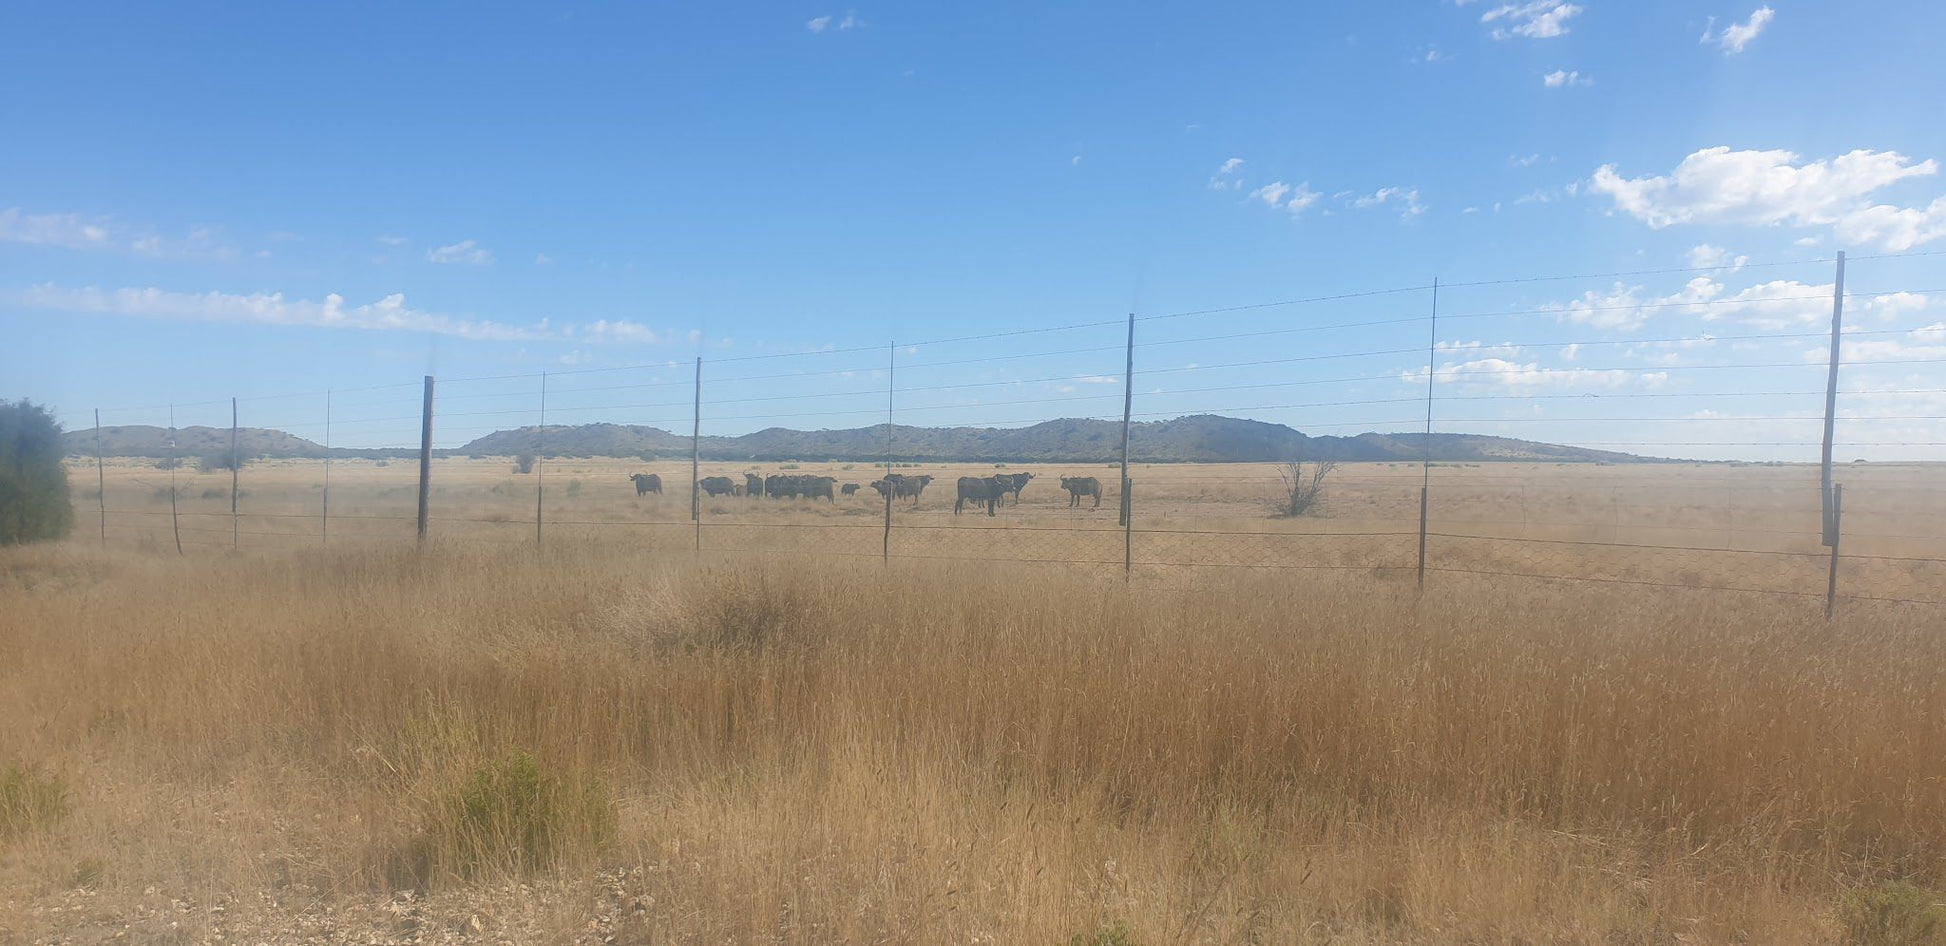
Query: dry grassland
{"points": [[614, 738]]}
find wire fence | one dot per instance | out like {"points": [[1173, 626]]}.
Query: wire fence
{"points": [[1575, 428]]}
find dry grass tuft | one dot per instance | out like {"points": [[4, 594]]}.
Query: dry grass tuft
{"points": [[30, 801]]}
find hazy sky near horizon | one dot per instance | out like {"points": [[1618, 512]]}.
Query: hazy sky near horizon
{"points": [[267, 201]]}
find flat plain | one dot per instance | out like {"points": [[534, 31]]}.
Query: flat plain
{"points": [[1267, 733]]}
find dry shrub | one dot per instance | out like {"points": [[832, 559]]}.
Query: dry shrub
{"points": [[509, 818], [1892, 914], [30, 800]]}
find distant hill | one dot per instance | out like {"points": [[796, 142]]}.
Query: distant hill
{"points": [[141, 440], [1202, 438]]}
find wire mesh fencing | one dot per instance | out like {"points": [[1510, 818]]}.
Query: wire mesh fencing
{"points": [[1570, 429]]}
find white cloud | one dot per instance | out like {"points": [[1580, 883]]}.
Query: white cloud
{"points": [[1407, 198], [542, 259], [71, 231], [1500, 372], [1705, 256], [1771, 306], [1771, 188], [388, 239], [1562, 78], [388, 314], [619, 330], [465, 251], [822, 23], [1300, 197], [76, 232], [1225, 177], [1538, 19], [1926, 342], [1738, 35], [1074, 161], [1524, 161], [1895, 228]]}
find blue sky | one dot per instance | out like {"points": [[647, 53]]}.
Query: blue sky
{"points": [[267, 201]]}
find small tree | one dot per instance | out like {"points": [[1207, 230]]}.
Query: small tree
{"points": [[219, 462], [524, 462], [1303, 487], [34, 503]]}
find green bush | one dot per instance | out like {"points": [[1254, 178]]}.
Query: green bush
{"points": [[34, 504], [30, 800], [219, 462], [1110, 934], [509, 816], [1892, 914]]}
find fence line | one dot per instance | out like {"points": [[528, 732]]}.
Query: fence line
{"points": [[1191, 529]]}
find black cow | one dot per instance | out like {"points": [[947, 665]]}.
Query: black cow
{"points": [[979, 489], [1013, 483], [849, 489], [647, 483], [1079, 486], [717, 486], [912, 485], [753, 485], [780, 486], [819, 486]]}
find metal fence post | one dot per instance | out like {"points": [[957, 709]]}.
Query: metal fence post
{"points": [[1831, 401], [101, 481], [1128, 503], [324, 506], [891, 365], [540, 460], [696, 459], [425, 459], [1833, 494], [1831, 579], [236, 464], [175, 519], [1425, 463]]}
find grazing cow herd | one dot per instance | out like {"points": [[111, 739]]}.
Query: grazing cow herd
{"points": [[990, 491]]}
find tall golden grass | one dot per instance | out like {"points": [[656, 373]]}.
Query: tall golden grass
{"points": [[827, 751]]}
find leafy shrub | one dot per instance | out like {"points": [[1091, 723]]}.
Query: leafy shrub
{"points": [[219, 462], [524, 462], [34, 504], [511, 816], [1108, 934], [87, 873], [1892, 914], [30, 800]]}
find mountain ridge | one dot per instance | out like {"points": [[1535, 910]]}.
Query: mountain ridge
{"points": [[1196, 438]]}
